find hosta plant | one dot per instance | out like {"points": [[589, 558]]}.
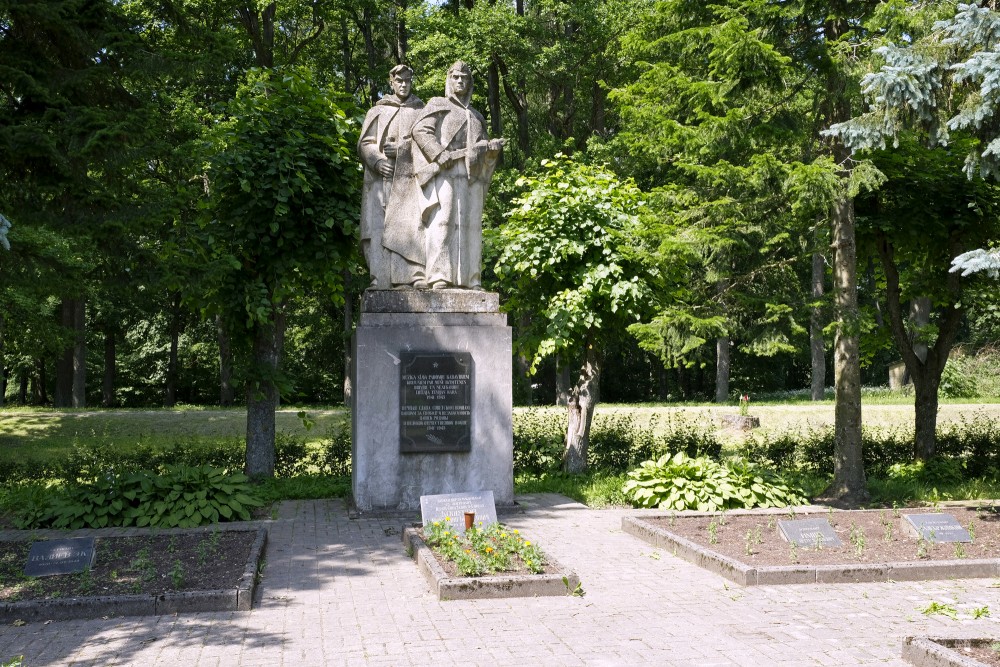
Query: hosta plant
{"points": [[178, 496], [682, 482]]}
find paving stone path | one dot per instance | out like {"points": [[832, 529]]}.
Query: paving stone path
{"points": [[341, 591]]}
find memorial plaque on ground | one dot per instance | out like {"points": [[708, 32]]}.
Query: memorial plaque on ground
{"points": [[936, 527], [435, 402], [67, 556], [453, 506], [809, 533]]}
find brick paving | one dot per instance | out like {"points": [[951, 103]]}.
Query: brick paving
{"points": [[341, 591]]}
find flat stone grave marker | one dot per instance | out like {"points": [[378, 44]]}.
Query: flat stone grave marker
{"points": [[809, 533], [65, 556], [936, 527], [452, 507]]}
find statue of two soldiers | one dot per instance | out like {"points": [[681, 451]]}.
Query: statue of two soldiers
{"points": [[427, 169]]}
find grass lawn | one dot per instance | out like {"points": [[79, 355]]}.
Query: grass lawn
{"points": [[40, 434]]}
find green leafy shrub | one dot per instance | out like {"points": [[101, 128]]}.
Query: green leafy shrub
{"points": [[958, 380], [180, 496], [975, 441], [617, 441], [334, 456], [938, 471], [538, 440], [681, 482]]}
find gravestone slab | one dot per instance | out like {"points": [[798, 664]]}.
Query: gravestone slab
{"points": [[936, 527], [452, 507], [66, 556], [809, 532], [435, 402]]}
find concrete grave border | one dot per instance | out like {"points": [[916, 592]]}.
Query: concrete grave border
{"points": [[748, 575], [940, 651], [239, 598], [563, 582]]}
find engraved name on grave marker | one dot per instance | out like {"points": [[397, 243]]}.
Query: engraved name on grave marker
{"points": [[936, 527], [435, 402], [66, 556], [453, 506], [809, 533]]}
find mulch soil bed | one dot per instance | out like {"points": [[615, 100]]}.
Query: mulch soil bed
{"points": [[135, 565], [885, 538], [984, 654]]}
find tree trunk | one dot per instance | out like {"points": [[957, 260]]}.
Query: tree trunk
{"points": [[22, 389], [562, 382], [170, 394], [817, 346], [348, 347], [493, 98], [227, 393], [367, 20], [849, 482], [722, 367], [63, 396], [401, 39], [582, 402], [3, 366], [925, 364], [597, 113], [79, 397], [920, 316], [925, 407], [110, 368], [260, 29], [515, 93], [40, 394], [347, 62], [262, 395]]}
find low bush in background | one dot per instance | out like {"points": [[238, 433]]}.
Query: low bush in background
{"points": [[172, 497], [617, 441]]}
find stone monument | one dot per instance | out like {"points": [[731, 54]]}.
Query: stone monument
{"points": [[432, 352]]}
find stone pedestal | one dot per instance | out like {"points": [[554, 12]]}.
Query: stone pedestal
{"points": [[400, 338]]}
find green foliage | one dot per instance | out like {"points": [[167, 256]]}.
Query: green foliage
{"points": [[178, 496], [567, 258], [617, 441], [972, 375], [334, 456], [285, 188], [967, 449], [937, 471], [539, 437], [681, 482], [90, 461]]}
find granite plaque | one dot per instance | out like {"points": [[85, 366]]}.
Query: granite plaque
{"points": [[451, 507], [67, 556], [809, 533], [936, 527], [435, 402]]}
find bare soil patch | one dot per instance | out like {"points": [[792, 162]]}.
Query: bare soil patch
{"points": [[754, 539], [135, 565], [988, 655]]}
